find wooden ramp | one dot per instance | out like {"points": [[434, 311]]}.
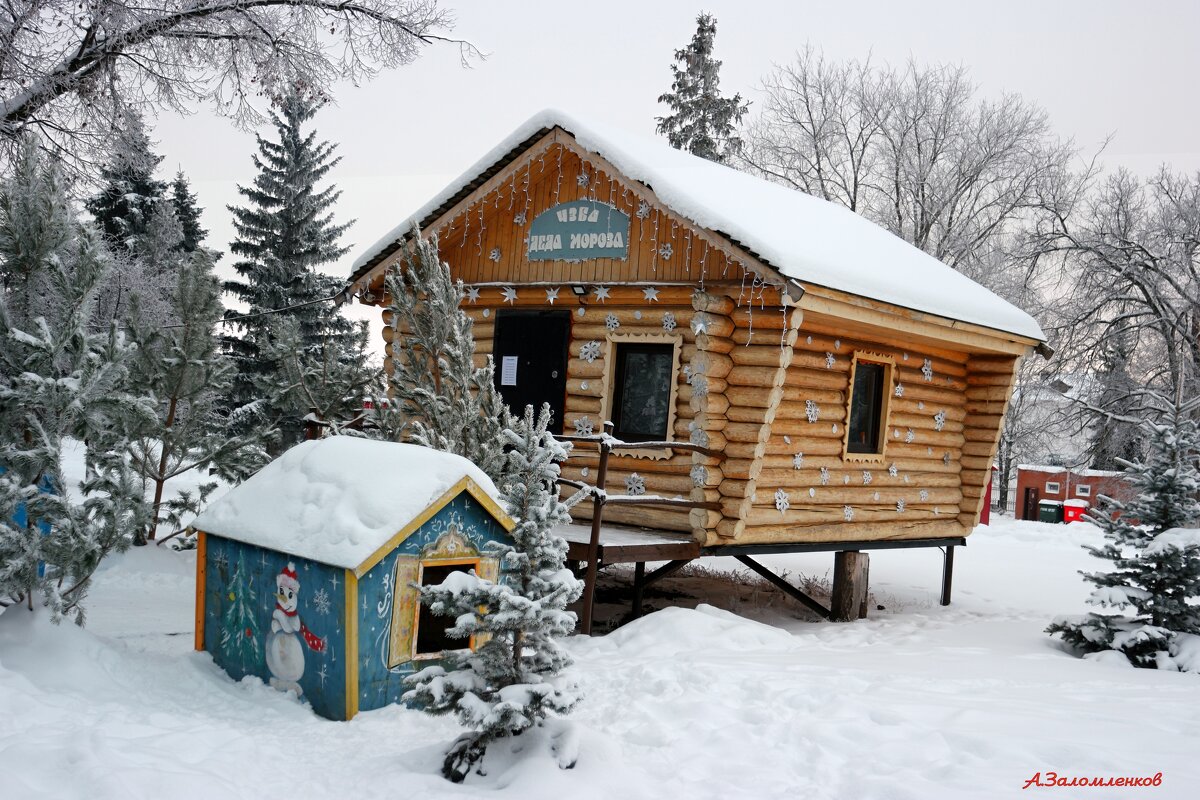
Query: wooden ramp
{"points": [[619, 545]]}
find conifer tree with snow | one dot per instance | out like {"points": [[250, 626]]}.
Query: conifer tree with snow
{"points": [[285, 232], [701, 121], [440, 399], [1154, 548], [58, 380], [183, 371], [129, 192], [515, 678], [188, 214]]}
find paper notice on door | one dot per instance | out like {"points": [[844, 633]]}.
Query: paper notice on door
{"points": [[508, 371]]}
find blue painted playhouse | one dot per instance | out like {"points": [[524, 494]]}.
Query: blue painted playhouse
{"points": [[305, 572]]}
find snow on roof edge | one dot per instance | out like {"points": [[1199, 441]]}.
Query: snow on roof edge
{"points": [[964, 300]]}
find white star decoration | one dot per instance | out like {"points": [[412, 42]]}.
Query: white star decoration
{"points": [[699, 326], [650, 294], [510, 294], [601, 293], [472, 293], [551, 295]]}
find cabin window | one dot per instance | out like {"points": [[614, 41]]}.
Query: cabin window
{"points": [[1083, 490], [432, 639], [1053, 487], [642, 391], [870, 392]]}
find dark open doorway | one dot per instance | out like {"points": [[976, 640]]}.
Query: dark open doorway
{"points": [[1030, 508], [530, 350]]}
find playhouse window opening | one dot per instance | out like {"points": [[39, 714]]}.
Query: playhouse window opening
{"points": [[641, 398], [866, 408], [431, 628]]}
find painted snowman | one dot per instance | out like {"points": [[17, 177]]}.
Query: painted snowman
{"points": [[289, 635]]}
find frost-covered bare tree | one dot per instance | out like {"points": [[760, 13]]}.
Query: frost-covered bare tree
{"points": [[70, 70], [915, 150]]}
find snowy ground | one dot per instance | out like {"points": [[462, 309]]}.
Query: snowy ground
{"points": [[918, 702]]}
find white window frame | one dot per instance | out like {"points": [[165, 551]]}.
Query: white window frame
{"points": [[1083, 490], [1057, 487]]}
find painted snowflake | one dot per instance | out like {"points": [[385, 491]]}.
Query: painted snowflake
{"points": [[519, 219], [909, 436], [824, 476], [892, 470], [867, 477], [848, 513], [699, 385], [927, 370], [643, 210], [583, 180], [635, 484], [812, 410], [924, 495], [584, 426], [320, 601], [699, 475], [829, 361], [900, 505], [221, 560], [798, 461], [494, 256], [781, 500], [899, 390], [939, 420], [666, 251], [669, 321], [590, 351], [611, 322]]}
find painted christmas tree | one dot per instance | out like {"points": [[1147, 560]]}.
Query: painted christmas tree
{"points": [[239, 625]]}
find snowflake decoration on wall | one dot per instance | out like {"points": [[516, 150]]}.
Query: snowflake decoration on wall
{"points": [[699, 325], [650, 294], [611, 322], [601, 293], [699, 475], [669, 321], [876, 497], [472, 293], [590, 351], [808, 339], [829, 361], [848, 513], [900, 505], [927, 370], [867, 477], [551, 295], [519, 218], [781, 500], [635, 484], [494, 256], [584, 471], [812, 410], [643, 210], [939, 420], [699, 385], [812, 492], [221, 560], [584, 426], [837, 344], [899, 390], [583, 180], [824, 476], [845, 480], [920, 405], [637, 314], [892, 470], [798, 461], [946, 459], [510, 294], [666, 250], [924, 495], [909, 436], [834, 427], [321, 601]]}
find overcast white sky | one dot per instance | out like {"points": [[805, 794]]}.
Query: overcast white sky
{"points": [[1122, 68]]}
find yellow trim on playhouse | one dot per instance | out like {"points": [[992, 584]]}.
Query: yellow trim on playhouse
{"points": [[350, 606]]}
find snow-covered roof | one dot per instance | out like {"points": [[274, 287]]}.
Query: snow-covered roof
{"points": [[804, 237], [338, 500]]}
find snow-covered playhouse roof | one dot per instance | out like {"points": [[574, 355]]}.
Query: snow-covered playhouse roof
{"points": [[341, 499], [803, 237]]}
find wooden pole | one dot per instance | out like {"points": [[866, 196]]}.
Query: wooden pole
{"points": [[639, 578], [589, 581], [848, 602]]}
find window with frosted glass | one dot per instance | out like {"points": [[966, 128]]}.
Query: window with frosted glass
{"points": [[642, 391]]}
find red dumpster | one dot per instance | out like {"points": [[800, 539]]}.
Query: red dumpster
{"points": [[1073, 510]]}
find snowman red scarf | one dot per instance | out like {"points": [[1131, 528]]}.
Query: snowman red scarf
{"points": [[314, 642]]}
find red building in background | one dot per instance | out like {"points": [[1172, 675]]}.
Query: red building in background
{"points": [[1037, 483]]}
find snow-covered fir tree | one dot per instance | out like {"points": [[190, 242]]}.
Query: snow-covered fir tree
{"points": [[1115, 435], [515, 678], [188, 214], [58, 380], [183, 371], [1154, 584], [440, 399], [701, 120], [285, 232], [129, 192]]}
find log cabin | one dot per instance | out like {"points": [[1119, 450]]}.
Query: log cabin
{"points": [[846, 387]]}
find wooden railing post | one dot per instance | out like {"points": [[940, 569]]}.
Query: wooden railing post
{"points": [[589, 581]]}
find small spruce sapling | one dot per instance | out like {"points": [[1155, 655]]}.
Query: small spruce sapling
{"points": [[1155, 554], [514, 679]]}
